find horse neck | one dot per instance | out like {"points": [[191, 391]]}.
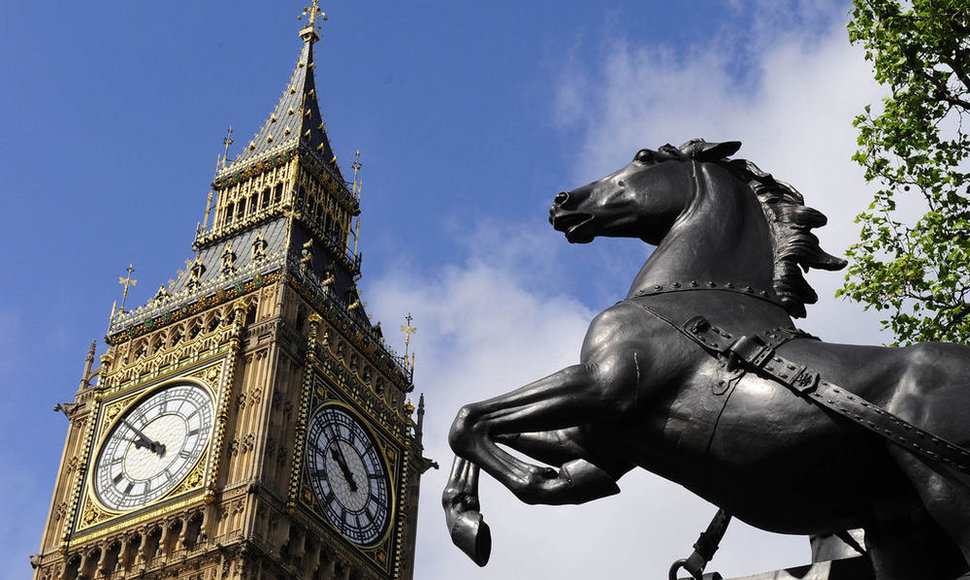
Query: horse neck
{"points": [[721, 237]]}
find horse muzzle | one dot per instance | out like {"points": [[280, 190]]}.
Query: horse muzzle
{"points": [[570, 223]]}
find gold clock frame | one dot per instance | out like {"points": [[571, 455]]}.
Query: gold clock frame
{"points": [[92, 518]]}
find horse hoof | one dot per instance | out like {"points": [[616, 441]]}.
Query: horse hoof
{"points": [[587, 481], [471, 534]]}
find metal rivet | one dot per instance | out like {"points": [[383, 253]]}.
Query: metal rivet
{"points": [[729, 285], [693, 283], [676, 284], [657, 286], [748, 289], [711, 285]]}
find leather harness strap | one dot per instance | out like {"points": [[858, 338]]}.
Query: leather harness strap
{"points": [[807, 382]]}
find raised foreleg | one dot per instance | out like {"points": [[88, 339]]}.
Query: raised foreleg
{"points": [[565, 399], [462, 512], [566, 447], [571, 419]]}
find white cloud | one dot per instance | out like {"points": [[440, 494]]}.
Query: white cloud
{"points": [[486, 328], [794, 120]]}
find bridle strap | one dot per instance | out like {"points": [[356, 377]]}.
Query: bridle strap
{"points": [[694, 285]]}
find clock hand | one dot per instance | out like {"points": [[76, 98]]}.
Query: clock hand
{"points": [[145, 441], [338, 454]]}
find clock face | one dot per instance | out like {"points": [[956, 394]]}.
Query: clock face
{"points": [[348, 475], [153, 446]]}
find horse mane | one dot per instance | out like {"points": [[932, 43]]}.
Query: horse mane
{"points": [[795, 247]]}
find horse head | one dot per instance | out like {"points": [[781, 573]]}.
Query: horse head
{"points": [[712, 218], [641, 200]]}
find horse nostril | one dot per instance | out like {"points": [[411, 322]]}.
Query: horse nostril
{"points": [[561, 198]]}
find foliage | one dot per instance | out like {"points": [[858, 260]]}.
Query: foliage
{"points": [[916, 150]]}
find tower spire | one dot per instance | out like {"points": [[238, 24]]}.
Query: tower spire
{"points": [[296, 121]]}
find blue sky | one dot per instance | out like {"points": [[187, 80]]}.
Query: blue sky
{"points": [[470, 117]]}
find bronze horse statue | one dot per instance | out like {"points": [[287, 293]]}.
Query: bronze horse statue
{"points": [[664, 384]]}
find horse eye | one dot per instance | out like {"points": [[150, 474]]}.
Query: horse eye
{"points": [[644, 156]]}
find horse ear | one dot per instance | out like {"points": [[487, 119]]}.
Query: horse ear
{"points": [[701, 150]]}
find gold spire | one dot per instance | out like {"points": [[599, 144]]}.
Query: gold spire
{"points": [[127, 282], [227, 141], [208, 208], [357, 165], [312, 12], [408, 330], [356, 236]]}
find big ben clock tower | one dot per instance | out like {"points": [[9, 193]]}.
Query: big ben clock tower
{"points": [[248, 422]]}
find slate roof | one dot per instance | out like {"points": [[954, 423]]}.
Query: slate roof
{"points": [[295, 121], [274, 234]]}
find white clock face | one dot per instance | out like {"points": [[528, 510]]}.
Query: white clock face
{"points": [[348, 475], [153, 446]]}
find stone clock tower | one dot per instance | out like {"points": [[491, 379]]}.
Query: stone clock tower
{"points": [[248, 422]]}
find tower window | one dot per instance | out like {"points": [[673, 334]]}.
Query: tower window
{"points": [[229, 214], [300, 319], [71, 571], [154, 543], [278, 193]]}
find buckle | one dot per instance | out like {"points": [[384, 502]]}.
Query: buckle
{"points": [[752, 350], [697, 325]]}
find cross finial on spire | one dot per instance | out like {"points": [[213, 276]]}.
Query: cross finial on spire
{"points": [[126, 282], [408, 330], [311, 13], [227, 141], [357, 165]]}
